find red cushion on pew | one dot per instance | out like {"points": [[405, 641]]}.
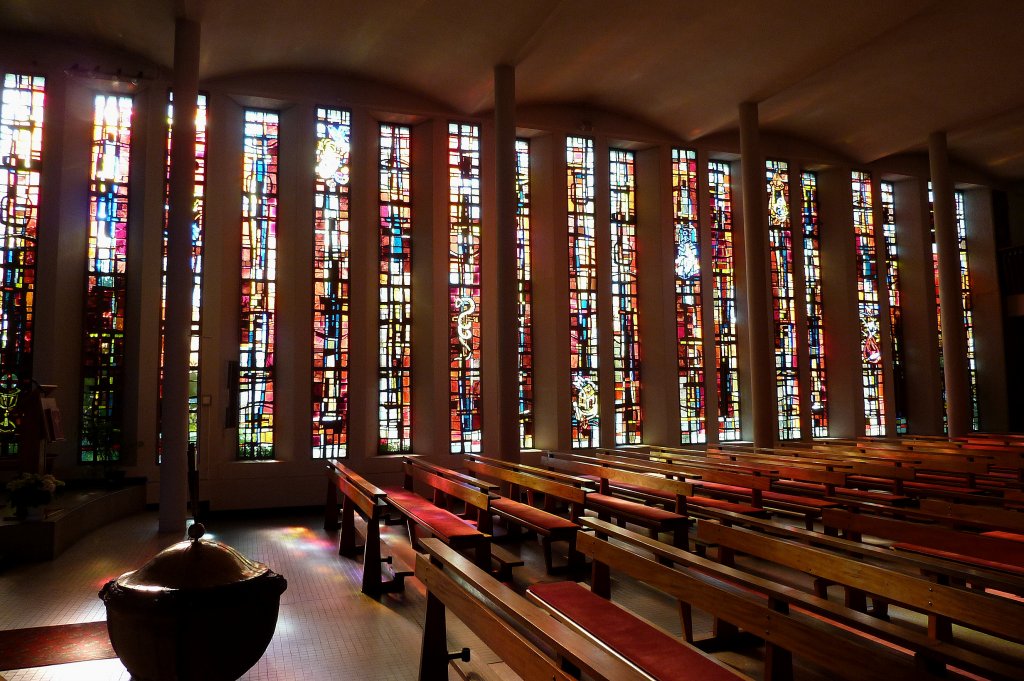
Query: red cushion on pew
{"points": [[882, 497], [719, 487], [652, 513], [871, 480], [1016, 567], [438, 521], [794, 499], [1012, 536], [723, 505], [531, 515], [811, 487], [654, 651]]}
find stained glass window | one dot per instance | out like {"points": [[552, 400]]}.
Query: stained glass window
{"points": [[21, 146], [395, 321], [625, 326], [938, 304], [331, 283], [723, 272], [815, 308], [464, 285], [259, 286], [196, 260], [965, 290], [689, 315], [869, 306], [780, 236], [892, 279], [579, 158], [524, 270], [103, 354]]}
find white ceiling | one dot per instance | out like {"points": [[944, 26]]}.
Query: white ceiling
{"points": [[869, 79]]}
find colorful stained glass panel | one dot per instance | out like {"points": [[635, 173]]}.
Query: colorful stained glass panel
{"points": [[689, 311], [331, 283], [259, 286], [21, 146]]}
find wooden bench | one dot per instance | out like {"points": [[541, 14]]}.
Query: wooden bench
{"points": [[993, 553], [786, 634], [360, 496], [943, 604], [703, 478], [754, 481], [548, 526], [439, 522], [532, 643], [930, 653], [607, 506]]}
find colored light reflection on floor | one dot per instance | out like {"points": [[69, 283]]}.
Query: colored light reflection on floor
{"points": [[302, 539]]}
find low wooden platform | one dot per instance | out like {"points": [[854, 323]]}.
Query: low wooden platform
{"points": [[72, 515]]}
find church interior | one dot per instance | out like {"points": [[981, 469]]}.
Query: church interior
{"points": [[548, 339]]}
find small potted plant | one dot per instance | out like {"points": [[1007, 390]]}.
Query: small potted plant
{"points": [[30, 493]]}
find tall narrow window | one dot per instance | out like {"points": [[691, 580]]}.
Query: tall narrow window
{"points": [[723, 271], [689, 315], [579, 158], [330, 283], [869, 306], [815, 308], [938, 305], [464, 285], [965, 290], [259, 286], [105, 289], [524, 270], [195, 259], [625, 327], [780, 235], [892, 279], [21, 147], [395, 320]]}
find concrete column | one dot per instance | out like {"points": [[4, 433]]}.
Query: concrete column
{"points": [[954, 343], [506, 420], [174, 415], [762, 374]]}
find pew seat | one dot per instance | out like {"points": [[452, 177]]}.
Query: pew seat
{"points": [[652, 650]]}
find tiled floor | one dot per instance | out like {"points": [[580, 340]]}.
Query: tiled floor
{"points": [[326, 629]]}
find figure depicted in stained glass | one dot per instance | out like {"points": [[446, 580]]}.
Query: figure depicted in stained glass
{"points": [[331, 284], [464, 286], [583, 353]]}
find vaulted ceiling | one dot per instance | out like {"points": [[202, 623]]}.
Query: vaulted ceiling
{"points": [[869, 79]]}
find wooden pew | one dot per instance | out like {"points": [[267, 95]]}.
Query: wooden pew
{"points": [[786, 633], [930, 654], [439, 522], [359, 495], [524, 636], [606, 506], [942, 604], [743, 481], [549, 527], [993, 553], [642, 488]]}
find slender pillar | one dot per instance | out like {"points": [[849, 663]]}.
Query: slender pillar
{"points": [[174, 414], [762, 373], [954, 341], [507, 310]]}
